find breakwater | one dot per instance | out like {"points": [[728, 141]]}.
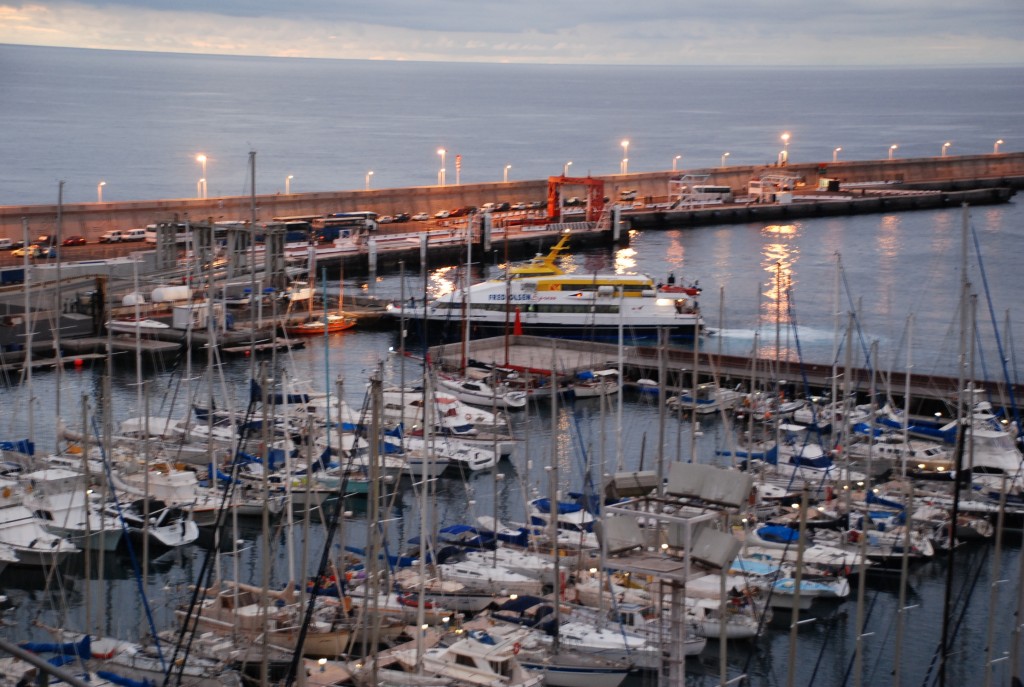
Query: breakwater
{"points": [[91, 219]]}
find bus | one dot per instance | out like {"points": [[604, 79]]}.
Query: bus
{"points": [[703, 193], [343, 224]]}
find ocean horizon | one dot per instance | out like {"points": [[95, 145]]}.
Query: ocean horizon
{"points": [[137, 120]]}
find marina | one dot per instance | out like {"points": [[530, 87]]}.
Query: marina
{"points": [[769, 497]]}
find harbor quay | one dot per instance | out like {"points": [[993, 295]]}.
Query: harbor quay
{"points": [[861, 178]]}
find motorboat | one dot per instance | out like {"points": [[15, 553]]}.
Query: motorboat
{"points": [[24, 533]]}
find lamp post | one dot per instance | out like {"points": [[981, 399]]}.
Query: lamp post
{"points": [[200, 185], [625, 157], [675, 162], [724, 156], [288, 184], [565, 168], [995, 146], [368, 175], [201, 159], [892, 150], [835, 153], [507, 167], [440, 174], [99, 191], [784, 155], [945, 147]]}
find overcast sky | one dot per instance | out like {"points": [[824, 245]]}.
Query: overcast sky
{"points": [[715, 32]]}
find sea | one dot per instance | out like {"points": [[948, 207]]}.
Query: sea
{"points": [[138, 120]]}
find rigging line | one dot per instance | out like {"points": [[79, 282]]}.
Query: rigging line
{"points": [[206, 568], [131, 550], [860, 333], [995, 326], [963, 601]]}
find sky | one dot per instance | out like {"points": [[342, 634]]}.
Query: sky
{"points": [[660, 32]]}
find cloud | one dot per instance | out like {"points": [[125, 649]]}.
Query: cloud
{"points": [[726, 32]]}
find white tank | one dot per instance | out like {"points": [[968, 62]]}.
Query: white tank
{"points": [[169, 294], [132, 299]]}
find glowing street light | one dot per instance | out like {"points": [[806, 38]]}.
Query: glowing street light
{"points": [[835, 153], [368, 175], [945, 147], [624, 167], [565, 168], [675, 162], [201, 159], [724, 156], [784, 155], [995, 147], [440, 174], [892, 150], [288, 184], [507, 167], [99, 191]]}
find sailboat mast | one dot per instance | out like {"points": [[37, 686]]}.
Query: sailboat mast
{"points": [[58, 301], [29, 329]]}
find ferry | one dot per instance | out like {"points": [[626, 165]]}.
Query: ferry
{"points": [[540, 299]]}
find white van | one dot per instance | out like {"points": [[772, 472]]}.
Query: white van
{"points": [[135, 235], [6, 244], [112, 236]]}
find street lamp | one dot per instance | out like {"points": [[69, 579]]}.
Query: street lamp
{"points": [[565, 168], [368, 175], [440, 174], [995, 147], [200, 186], [835, 153], [99, 191], [675, 162], [201, 159], [945, 147], [288, 184], [892, 150], [724, 155], [507, 167], [625, 157], [784, 155]]}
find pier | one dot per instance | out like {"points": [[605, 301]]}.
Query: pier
{"points": [[537, 355], [952, 173]]}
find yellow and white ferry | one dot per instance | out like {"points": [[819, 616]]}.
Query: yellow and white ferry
{"points": [[539, 298]]}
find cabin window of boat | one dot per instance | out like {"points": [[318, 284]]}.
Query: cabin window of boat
{"points": [[464, 660], [528, 287]]}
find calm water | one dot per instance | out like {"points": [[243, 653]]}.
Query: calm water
{"points": [[137, 121]]}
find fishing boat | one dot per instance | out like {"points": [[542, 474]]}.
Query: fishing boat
{"points": [[328, 324], [544, 300]]}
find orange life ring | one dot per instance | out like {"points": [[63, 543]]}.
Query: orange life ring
{"points": [[516, 648], [7, 492]]}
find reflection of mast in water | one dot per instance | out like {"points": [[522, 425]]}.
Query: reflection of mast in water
{"points": [[778, 261]]}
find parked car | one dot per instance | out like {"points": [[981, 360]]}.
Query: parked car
{"points": [[442, 214], [502, 207], [402, 217], [112, 236], [35, 251], [421, 217], [6, 244], [74, 241], [385, 219], [519, 206]]}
